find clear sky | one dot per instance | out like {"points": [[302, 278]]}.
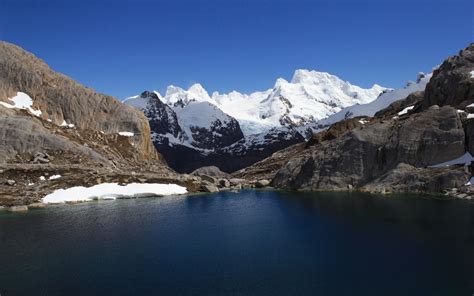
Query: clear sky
{"points": [[124, 47]]}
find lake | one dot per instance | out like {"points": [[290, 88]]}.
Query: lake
{"points": [[247, 243]]}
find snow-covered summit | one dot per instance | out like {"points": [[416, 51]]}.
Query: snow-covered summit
{"points": [[309, 96], [177, 95]]}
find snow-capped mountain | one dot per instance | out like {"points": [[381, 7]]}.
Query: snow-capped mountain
{"points": [[187, 121], [308, 97], [192, 128]]}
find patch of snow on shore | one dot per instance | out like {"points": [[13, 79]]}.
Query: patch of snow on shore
{"points": [[22, 101], [112, 191], [54, 177], [465, 159], [472, 73]]}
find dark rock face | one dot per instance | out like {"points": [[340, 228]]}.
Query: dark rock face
{"points": [[162, 118], [407, 178], [367, 152], [469, 130], [399, 105], [335, 130], [219, 135], [451, 83]]}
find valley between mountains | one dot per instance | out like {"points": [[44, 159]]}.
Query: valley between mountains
{"points": [[313, 132]]}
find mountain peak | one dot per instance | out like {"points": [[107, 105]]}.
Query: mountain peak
{"points": [[304, 76]]}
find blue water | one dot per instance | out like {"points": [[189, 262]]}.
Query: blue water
{"points": [[249, 243]]}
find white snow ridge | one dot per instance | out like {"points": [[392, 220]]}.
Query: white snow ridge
{"points": [[112, 191]]}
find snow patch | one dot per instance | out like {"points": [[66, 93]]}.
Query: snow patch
{"points": [[472, 73], [112, 191], [465, 159], [405, 111], [127, 134], [66, 125], [471, 182], [470, 115], [22, 101], [54, 177]]}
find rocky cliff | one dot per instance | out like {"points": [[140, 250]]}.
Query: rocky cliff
{"points": [[61, 101]]}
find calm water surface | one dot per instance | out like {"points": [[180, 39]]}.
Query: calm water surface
{"points": [[248, 243]]}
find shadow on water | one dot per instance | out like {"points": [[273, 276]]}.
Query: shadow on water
{"points": [[256, 242]]}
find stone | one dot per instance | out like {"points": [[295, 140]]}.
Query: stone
{"points": [[37, 205], [18, 209], [262, 183], [209, 179], [209, 188], [10, 182], [212, 171], [236, 181], [224, 183]]}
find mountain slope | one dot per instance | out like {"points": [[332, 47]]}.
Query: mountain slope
{"points": [[401, 149], [62, 100]]}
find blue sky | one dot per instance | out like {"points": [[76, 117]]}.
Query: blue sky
{"points": [[124, 47]]}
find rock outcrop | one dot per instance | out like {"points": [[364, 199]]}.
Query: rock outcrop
{"points": [[393, 151], [61, 101], [452, 83], [365, 153]]}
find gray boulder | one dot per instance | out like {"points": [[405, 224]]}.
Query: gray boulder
{"points": [[212, 171], [209, 188], [262, 183]]}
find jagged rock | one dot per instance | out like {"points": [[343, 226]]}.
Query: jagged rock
{"points": [[262, 183], [18, 209], [451, 83], [10, 182]]}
